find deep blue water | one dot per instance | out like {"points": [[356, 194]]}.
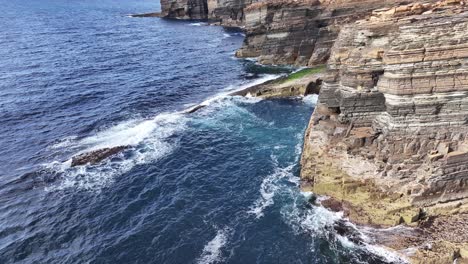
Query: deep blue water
{"points": [[220, 185]]}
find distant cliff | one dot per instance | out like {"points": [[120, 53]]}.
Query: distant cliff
{"points": [[224, 12]]}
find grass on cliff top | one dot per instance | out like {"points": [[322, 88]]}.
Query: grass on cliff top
{"points": [[302, 73]]}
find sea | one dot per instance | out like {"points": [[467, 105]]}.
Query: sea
{"points": [[220, 185]]}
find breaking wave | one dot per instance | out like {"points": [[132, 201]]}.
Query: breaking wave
{"points": [[149, 140], [212, 250], [310, 99], [268, 188]]}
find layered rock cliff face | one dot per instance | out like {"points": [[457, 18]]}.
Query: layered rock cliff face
{"points": [[300, 32], [186, 9], [228, 12], [388, 140], [224, 12]]}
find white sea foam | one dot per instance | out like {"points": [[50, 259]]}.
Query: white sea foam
{"points": [[148, 139], [65, 142], [198, 24], [212, 251], [319, 221], [310, 99], [270, 185], [233, 88], [389, 256]]}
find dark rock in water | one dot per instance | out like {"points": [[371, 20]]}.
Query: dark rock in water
{"points": [[147, 15], [342, 228], [194, 109], [96, 156]]}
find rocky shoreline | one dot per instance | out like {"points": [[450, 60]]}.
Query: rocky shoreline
{"points": [[388, 140]]}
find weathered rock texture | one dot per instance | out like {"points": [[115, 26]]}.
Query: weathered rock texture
{"points": [[96, 156], [389, 138], [224, 12], [300, 32], [288, 86], [186, 9], [228, 12]]}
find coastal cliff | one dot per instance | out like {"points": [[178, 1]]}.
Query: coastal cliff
{"points": [[388, 140], [300, 32], [387, 143], [223, 12]]}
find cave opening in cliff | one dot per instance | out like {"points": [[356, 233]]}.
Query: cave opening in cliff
{"points": [[314, 87], [376, 76]]}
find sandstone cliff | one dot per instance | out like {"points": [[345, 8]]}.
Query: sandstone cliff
{"points": [[186, 9], [388, 141], [300, 32], [224, 12]]}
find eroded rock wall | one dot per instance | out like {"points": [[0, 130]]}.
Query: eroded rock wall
{"points": [[223, 12], [185, 9], [299, 32], [389, 137]]}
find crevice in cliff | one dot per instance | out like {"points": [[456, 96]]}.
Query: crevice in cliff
{"points": [[314, 87], [376, 76]]}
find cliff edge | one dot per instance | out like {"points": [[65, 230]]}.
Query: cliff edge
{"points": [[388, 140]]}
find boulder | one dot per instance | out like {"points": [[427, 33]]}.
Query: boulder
{"points": [[96, 156]]}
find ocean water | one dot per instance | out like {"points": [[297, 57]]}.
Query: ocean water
{"points": [[216, 186]]}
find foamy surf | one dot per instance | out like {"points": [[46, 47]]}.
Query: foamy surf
{"points": [[212, 250], [310, 99], [149, 141], [268, 188], [231, 89], [319, 223], [198, 24]]}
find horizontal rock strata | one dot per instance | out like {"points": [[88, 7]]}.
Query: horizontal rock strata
{"points": [[389, 138], [186, 9], [224, 12], [299, 32]]}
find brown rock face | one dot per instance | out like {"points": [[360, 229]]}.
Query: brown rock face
{"points": [[186, 9], [300, 32], [224, 12], [389, 137], [96, 156]]}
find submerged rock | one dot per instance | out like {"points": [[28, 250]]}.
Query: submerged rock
{"points": [[96, 156]]}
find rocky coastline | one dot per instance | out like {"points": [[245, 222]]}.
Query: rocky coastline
{"points": [[387, 143]]}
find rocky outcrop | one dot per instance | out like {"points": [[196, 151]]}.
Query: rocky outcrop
{"points": [[185, 9], [299, 32], [96, 156], [222, 12], [389, 137], [300, 83], [228, 12]]}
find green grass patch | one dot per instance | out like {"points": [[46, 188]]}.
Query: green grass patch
{"points": [[302, 73]]}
